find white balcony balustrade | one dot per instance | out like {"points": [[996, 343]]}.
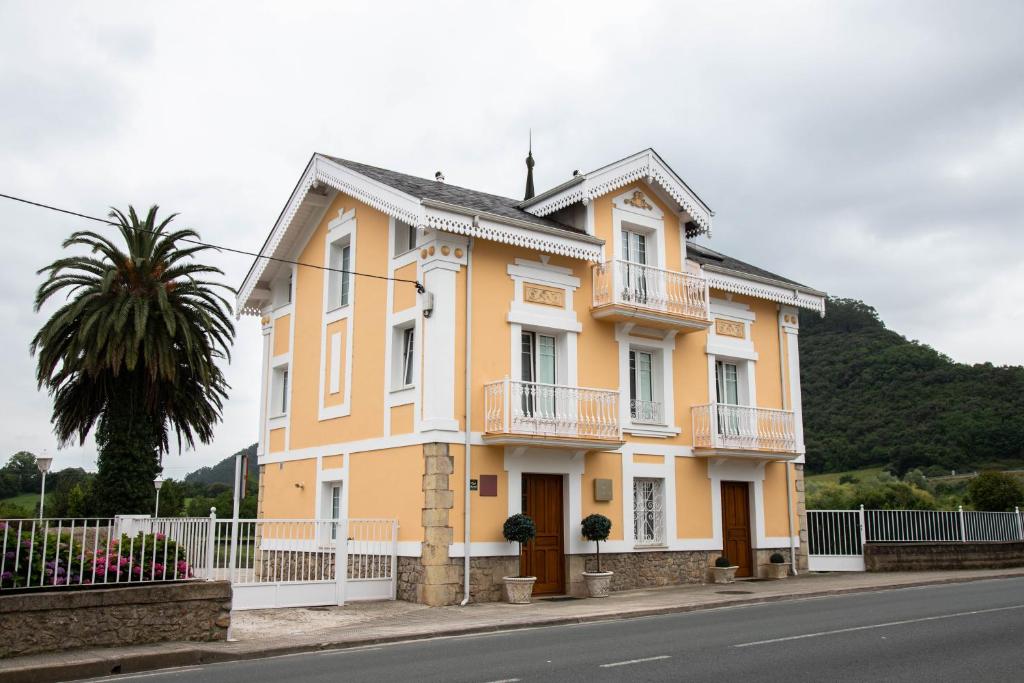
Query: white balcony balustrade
{"points": [[646, 412], [517, 412], [726, 427], [627, 291]]}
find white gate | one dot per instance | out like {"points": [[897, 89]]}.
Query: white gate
{"points": [[836, 538], [290, 562]]}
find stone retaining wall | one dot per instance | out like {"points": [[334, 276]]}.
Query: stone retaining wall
{"points": [[898, 557], [106, 617]]}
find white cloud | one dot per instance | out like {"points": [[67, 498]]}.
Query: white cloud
{"points": [[869, 149]]}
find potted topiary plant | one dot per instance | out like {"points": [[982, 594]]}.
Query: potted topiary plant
{"points": [[776, 567], [596, 528], [519, 529], [723, 571]]}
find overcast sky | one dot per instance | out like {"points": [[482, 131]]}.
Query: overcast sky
{"points": [[873, 150]]}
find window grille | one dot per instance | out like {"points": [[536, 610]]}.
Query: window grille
{"points": [[649, 511]]}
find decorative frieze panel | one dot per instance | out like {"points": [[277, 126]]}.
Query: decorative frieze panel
{"points": [[730, 328], [545, 296]]}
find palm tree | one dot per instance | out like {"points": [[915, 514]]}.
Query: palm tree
{"points": [[135, 347]]}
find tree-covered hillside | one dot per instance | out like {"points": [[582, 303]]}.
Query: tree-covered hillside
{"points": [[224, 471], [872, 397]]}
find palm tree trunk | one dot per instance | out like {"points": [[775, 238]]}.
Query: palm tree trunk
{"points": [[127, 438]]}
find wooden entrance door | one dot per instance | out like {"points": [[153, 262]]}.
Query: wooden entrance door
{"points": [[736, 526], [544, 557]]}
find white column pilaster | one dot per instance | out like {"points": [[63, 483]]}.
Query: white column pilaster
{"points": [[790, 321]]}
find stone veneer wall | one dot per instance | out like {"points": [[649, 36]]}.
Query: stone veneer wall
{"points": [[801, 511], [105, 617], [438, 584], [900, 557]]}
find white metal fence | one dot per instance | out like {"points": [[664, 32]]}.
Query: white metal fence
{"points": [[836, 538], [270, 562]]}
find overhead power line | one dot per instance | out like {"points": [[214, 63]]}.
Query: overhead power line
{"points": [[419, 287]]}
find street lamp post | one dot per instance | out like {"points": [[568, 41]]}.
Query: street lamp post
{"points": [[43, 462], [157, 483]]}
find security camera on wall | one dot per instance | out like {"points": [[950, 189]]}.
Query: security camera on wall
{"points": [[428, 305]]}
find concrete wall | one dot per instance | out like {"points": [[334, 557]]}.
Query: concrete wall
{"points": [[895, 557], [107, 617]]}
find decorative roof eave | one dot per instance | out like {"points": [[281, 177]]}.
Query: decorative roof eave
{"points": [[647, 165], [321, 170], [421, 213], [764, 288], [483, 225]]}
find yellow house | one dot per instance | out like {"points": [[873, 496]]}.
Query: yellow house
{"points": [[571, 353]]}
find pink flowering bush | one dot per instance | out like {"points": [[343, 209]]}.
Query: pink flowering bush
{"points": [[144, 557]]}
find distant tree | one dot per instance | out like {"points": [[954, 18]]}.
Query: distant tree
{"points": [[995, 492], [23, 470], [134, 350]]}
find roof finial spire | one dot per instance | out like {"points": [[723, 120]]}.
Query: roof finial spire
{"points": [[529, 170]]}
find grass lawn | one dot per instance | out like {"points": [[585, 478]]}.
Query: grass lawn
{"points": [[28, 500], [833, 477]]}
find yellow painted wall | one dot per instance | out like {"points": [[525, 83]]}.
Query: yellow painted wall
{"points": [[332, 462], [603, 466], [648, 459], [281, 334], [404, 293], [339, 327], [402, 419], [489, 512], [371, 256], [388, 484], [690, 375], [282, 499], [693, 499], [765, 335], [277, 442], [775, 500]]}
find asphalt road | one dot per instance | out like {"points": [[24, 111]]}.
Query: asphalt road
{"points": [[960, 632]]}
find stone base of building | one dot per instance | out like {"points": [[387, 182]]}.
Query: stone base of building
{"points": [[649, 569]]}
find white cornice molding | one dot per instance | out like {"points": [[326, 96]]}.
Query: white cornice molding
{"points": [[643, 165], [762, 289]]}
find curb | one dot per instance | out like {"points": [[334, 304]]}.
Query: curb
{"points": [[187, 654]]}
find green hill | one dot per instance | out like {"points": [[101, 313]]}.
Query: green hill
{"points": [[224, 471], [871, 397]]}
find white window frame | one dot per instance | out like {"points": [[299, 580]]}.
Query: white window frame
{"points": [[649, 508], [398, 356], [339, 285], [402, 232], [280, 391], [656, 382]]}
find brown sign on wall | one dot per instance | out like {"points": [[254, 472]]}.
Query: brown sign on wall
{"points": [[488, 484], [730, 328]]}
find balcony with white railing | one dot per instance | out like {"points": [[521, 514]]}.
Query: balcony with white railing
{"points": [[551, 415], [633, 292], [744, 431]]}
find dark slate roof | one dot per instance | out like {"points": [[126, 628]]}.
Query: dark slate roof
{"points": [[421, 188], [709, 257]]}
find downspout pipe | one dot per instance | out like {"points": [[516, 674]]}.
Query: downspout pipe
{"points": [[468, 425], [789, 466]]}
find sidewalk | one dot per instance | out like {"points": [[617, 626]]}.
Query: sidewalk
{"points": [[266, 633]]}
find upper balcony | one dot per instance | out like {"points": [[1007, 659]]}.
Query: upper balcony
{"points": [[744, 431], [551, 416], [633, 292]]}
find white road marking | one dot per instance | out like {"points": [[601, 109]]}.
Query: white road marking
{"points": [[635, 661], [506, 680], [885, 625]]}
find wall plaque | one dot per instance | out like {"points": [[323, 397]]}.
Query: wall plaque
{"points": [[545, 296], [730, 328], [488, 484], [602, 490]]}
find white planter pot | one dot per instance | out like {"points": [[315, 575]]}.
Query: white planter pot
{"points": [[599, 584], [518, 589], [723, 574], [775, 570]]}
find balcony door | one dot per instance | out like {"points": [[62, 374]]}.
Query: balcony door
{"points": [[634, 253], [641, 387], [539, 374], [727, 388]]}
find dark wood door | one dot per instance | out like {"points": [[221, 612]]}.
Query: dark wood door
{"points": [[736, 526], [544, 557]]}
